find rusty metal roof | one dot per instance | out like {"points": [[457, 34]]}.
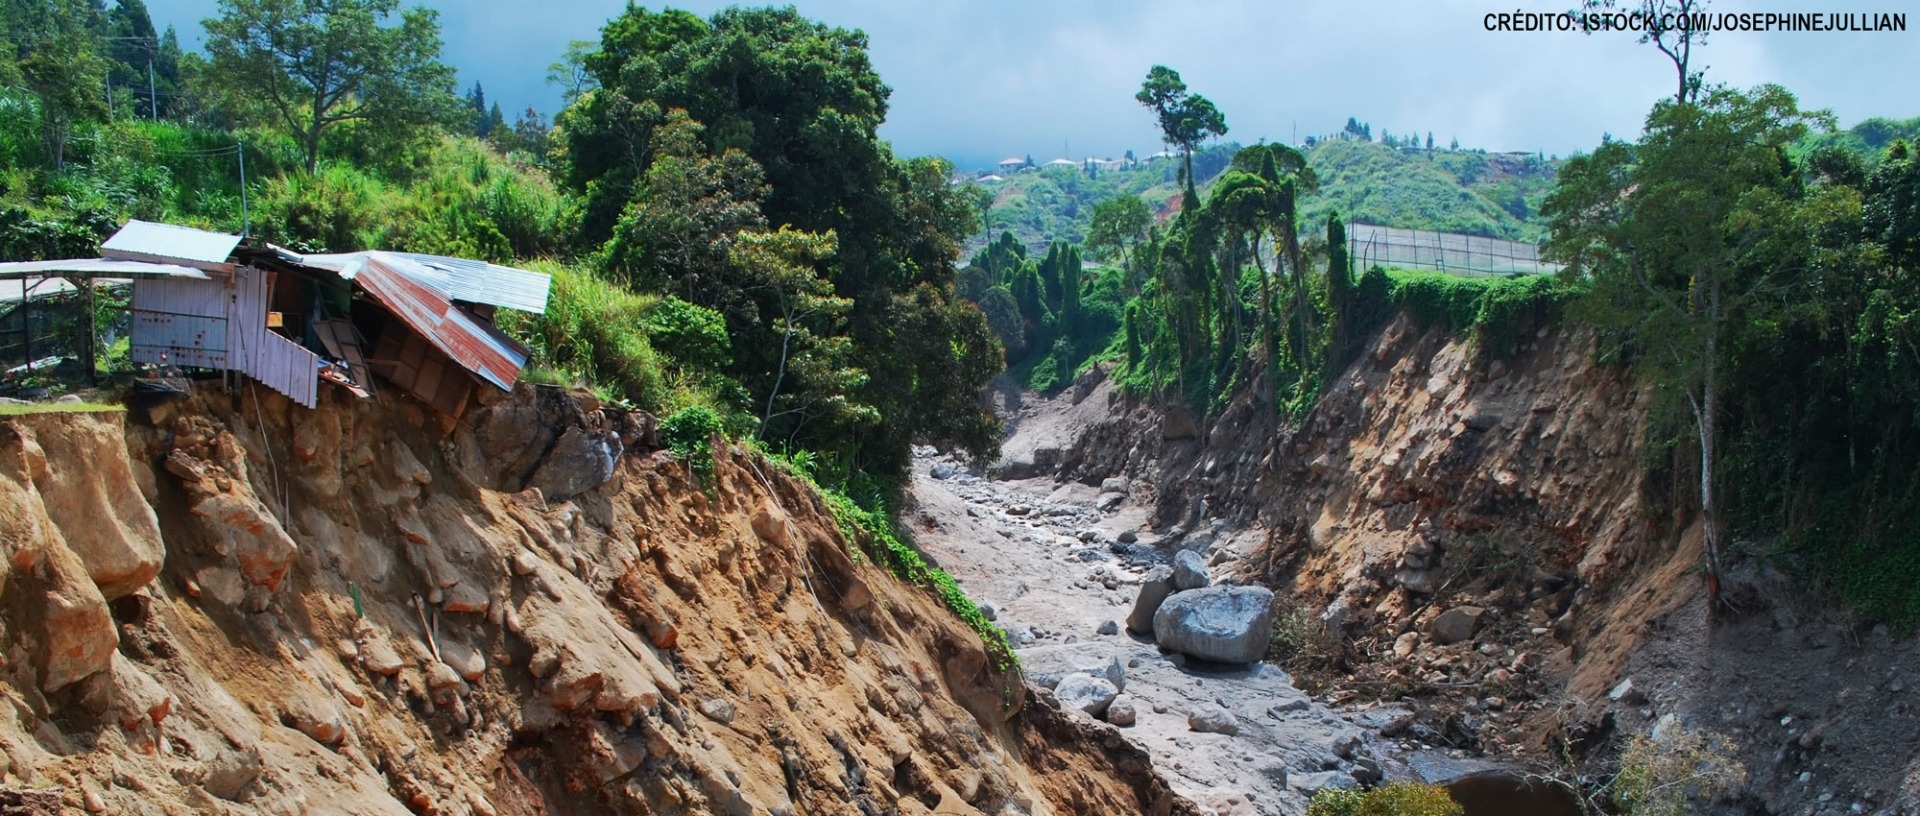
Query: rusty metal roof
{"points": [[457, 278], [472, 343], [98, 268], [169, 244]]}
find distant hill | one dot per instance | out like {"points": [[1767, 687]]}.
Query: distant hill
{"points": [[1471, 191], [1870, 138]]}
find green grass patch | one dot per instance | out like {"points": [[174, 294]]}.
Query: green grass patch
{"points": [[60, 408]]}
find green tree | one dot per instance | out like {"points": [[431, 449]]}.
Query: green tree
{"points": [[1185, 119], [1116, 226], [56, 56], [317, 65], [814, 378], [1667, 24], [1684, 236]]}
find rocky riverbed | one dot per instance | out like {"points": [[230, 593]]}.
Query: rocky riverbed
{"points": [[1059, 566]]}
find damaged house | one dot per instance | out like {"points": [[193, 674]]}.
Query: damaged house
{"points": [[422, 323]]}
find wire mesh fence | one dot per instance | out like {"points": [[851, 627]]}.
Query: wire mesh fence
{"points": [[1450, 252]]}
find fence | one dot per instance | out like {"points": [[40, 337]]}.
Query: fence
{"points": [[1450, 252]]}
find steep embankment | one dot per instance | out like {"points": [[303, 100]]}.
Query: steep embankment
{"points": [[234, 604], [1474, 537]]}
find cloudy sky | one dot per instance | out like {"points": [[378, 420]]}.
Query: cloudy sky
{"points": [[982, 79]]}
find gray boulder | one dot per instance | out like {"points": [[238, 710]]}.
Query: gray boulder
{"points": [[1049, 666], [1457, 624], [1087, 693], [1121, 711], [1189, 571], [1225, 624], [1155, 586]]}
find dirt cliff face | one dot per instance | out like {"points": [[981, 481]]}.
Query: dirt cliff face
{"points": [[233, 604]]}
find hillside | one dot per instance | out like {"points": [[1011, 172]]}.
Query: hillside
{"points": [[1470, 191]]}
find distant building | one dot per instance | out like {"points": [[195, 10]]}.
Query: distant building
{"points": [[1012, 165], [991, 178]]}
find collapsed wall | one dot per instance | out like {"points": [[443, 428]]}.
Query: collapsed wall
{"points": [[231, 603]]}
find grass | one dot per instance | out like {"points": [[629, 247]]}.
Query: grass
{"points": [[59, 408]]}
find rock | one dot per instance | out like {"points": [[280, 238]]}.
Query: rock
{"points": [[1404, 645], [1226, 624], [1291, 706], [1189, 571], [580, 460], [1128, 536], [316, 717], [441, 676], [1625, 694], [1154, 588], [378, 655], [525, 562], [1457, 624], [1109, 628], [1019, 510], [1047, 666], [718, 710], [941, 471], [1345, 744], [1114, 485], [1213, 719], [464, 659], [1418, 582], [1110, 501], [93, 502], [1312, 783], [989, 611], [1086, 693], [1121, 712], [231, 772]]}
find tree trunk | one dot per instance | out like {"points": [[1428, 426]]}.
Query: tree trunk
{"points": [[1707, 423]]}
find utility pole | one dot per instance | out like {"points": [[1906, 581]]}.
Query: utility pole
{"points": [[245, 225], [153, 98]]}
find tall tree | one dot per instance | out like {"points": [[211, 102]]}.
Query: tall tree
{"points": [[1673, 27], [55, 53], [1682, 237], [317, 64], [1186, 119], [1116, 225]]}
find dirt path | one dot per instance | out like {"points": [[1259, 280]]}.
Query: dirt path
{"points": [[1060, 577]]}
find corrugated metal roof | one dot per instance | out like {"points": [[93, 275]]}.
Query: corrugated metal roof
{"points": [[166, 243], [98, 267], [474, 344], [456, 278]]}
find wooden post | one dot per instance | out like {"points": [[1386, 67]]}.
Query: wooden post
{"points": [[26, 323], [93, 335]]}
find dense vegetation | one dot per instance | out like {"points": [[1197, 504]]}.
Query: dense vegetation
{"points": [[1768, 301]]}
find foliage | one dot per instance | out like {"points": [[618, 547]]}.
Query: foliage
{"points": [[689, 431], [1494, 312], [1185, 119], [1675, 772], [1464, 191], [1395, 799], [697, 132], [309, 67]]}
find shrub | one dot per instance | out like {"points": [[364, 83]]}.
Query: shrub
{"points": [[1397, 799], [690, 431]]}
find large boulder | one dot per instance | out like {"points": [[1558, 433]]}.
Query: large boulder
{"points": [[582, 459], [92, 498], [1226, 624], [1049, 666], [1155, 586], [1086, 693], [1189, 571]]}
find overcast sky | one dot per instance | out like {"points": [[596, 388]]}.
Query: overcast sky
{"points": [[982, 79]]}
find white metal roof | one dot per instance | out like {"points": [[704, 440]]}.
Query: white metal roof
{"points": [[98, 267], [457, 278], [166, 243]]}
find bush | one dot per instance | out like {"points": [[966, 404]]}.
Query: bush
{"points": [[1397, 799], [689, 432]]}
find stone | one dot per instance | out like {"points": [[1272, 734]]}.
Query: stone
{"points": [[718, 710], [231, 772], [1048, 666], [1213, 719], [442, 676], [378, 655], [1109, 628], [464, 659], [316, 717], [1625, 694], [1189, 571], [1345, 744], [989, 611], [1404, 645], [1456, 625], [580, 460], [525, 562], [1225, 624], [1121, 711], [1086, 693], [941, 471], [1114, 484], [93, 502], [1110, 501], [1312, 783], [1128, 536], [1154, 588]]}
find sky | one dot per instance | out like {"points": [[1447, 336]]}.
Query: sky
{"points": [[983, 79]]}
